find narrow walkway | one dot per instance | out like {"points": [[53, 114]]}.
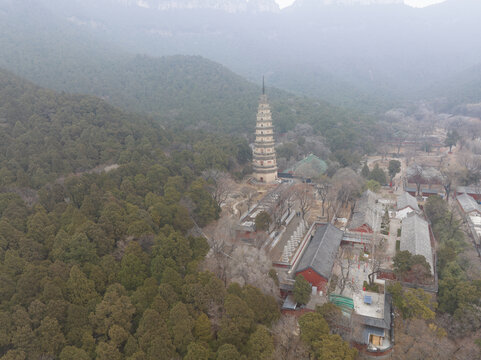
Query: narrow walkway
{"points": [[276, 253]]}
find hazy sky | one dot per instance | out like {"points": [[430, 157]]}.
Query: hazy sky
{"points": [[414, 3]]}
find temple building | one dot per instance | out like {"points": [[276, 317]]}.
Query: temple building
{"points": [[264, 155]]}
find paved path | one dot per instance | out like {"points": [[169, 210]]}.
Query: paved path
{"points": [[394, 225]]}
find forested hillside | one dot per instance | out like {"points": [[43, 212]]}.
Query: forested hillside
{"points": [[464, 88], [101, 265], [178, 90], [46, 135]]}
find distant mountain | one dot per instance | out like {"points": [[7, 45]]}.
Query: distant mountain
{"points": [[302, 3], [232, 6], [459, 90], [364, 56], [182, 91]]}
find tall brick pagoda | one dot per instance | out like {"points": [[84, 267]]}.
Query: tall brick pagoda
{"points": [[264, 155]]}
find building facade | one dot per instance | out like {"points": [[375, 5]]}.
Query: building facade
{"points": [[264, 155], [317, 259]]}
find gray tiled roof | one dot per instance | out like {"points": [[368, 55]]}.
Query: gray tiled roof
{"points": [[382, 323], [321, 251], [415, 238], [469, 190], [468, 204], [406, 200], [365, 211]]}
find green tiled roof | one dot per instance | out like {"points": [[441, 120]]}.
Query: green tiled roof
{"points": [[310, 166]]}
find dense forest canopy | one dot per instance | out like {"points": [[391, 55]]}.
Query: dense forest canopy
{"points": [[102, 264], [46, 135]]}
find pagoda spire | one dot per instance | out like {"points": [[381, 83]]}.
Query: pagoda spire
{"points": [[263, 86]]}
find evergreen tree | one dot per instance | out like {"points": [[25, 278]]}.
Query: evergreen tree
{"points": [[181, 325], [107, 351], [197, 351], [264, 307], [394, 168], [80, 290], [378, 175], [133, 268], [365, 171], [260, 345], [227, 352], [14, 355], [51, 339], [71, 352], [302, 290], [263, 221], [202, 329], [451, 139], [237, 322]]}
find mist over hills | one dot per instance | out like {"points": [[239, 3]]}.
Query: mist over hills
{"points": [[182, 91], [378, 53], [232, 6]]}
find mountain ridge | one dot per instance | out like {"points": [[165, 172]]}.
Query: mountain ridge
{"points": [[372, 53]]}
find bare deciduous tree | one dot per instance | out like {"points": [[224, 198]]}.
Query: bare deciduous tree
{"points": [[345, 260], [383, 149], [283, 204], [323, 188], [250, 265], [348, 185], [417, 177], [288, 344], [449, 178], [220, 185], [331, 204], [378, 253], [410, 155], [222, 247], [249, 195], [473, 168], [417, 340], [302, 193]]}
